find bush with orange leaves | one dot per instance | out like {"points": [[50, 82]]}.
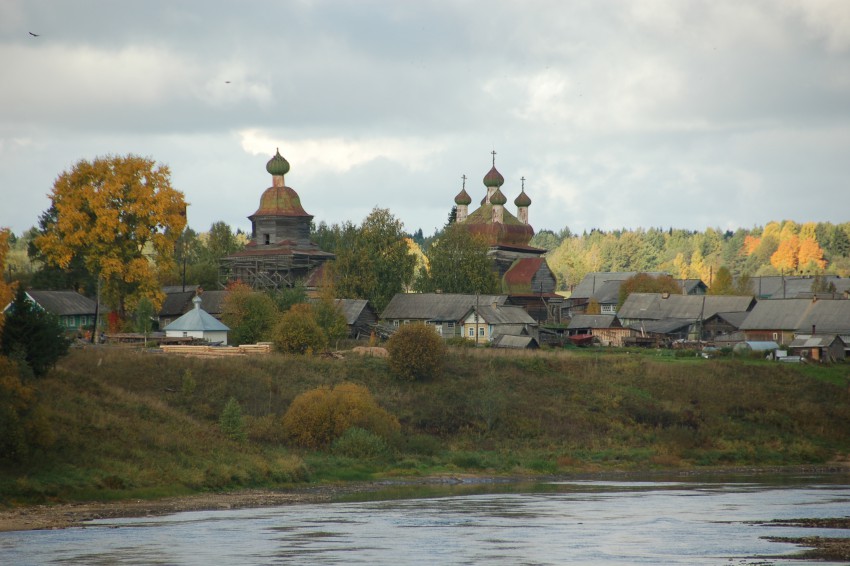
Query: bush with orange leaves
{"points": [[318, 417]]}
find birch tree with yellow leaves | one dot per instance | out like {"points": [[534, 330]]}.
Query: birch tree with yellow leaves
{"points": [[122, 217]]}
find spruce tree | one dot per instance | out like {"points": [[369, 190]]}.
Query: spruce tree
{"points": [[32, 335]]}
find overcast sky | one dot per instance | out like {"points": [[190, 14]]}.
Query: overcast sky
{"points": [[619, 114]]}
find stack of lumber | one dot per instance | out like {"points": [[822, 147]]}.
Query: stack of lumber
{"points": [[259, 348], [244, 349], [202, 350]]}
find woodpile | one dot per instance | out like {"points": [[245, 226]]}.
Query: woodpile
{"points": [[218, 351]]}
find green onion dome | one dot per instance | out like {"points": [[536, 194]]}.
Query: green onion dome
{"points": [[493, 178], [463, 198], [498, 198], [522, 200], [277, 165]]}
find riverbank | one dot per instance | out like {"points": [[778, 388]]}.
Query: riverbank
{"points": [[77, 514]]}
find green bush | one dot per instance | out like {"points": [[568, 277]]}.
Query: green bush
{"points": [[231, 422], [416, 352], [298, 332], [318, 417], [359, 443]]}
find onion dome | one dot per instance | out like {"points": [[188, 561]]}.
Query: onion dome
{"points": [[498, 198], [277, 165], [493, 178], [463, 198], [522, 200]]}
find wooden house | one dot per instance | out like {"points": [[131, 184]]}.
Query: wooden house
{"points": [[444, 311], [664, 310], [359, 315], [482, 323], [75, 311], [605, 328], [782, 320]]}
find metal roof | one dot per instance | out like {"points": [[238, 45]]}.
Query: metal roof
{"points": [[816, 341], [510, 341], [828, 316], [195, 320], [435, 306]]}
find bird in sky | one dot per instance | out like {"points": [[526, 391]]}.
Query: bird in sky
{"points": [[34, 34], [226, 82]]}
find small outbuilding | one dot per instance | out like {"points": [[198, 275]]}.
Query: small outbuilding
{"points": [[819, 347], [199, 324]]}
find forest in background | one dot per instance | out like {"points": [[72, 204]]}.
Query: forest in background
{"points": [[778, 248]]}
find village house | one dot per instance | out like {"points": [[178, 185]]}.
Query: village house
{"points": [[198, 324], [782, 320], [798, 286], [444, 311], [75, 311], [603, 289], [360, 316], [678, 316], [605, 329], [482, 323]]}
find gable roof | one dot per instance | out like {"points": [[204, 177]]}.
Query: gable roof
{"points": [[593, 321], [501, 314], [735, 319], [511, 341], [593, 282], [519, 278], [195, 320], [793, 286], [176, 303], [666, 326], [828, 316], [816, 341], [658, 306], [435, 306], [63, 303], [352, 309]]}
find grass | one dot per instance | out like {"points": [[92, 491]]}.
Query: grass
{"points": [[133, 424]]}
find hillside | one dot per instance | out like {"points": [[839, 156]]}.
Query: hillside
{"points": [[132, 424]]}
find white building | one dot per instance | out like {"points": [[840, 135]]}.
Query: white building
{"points": [[198, 323]]}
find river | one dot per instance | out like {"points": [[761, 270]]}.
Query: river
{"points": [[691, 521]]}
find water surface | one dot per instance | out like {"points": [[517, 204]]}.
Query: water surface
{"points": [[570, 522]]}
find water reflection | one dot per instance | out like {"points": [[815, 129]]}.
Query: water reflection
{"points": [[566, 522]]}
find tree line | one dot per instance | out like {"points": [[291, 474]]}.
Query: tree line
{"points": [[778, 248]]}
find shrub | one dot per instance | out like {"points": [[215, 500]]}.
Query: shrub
{"points": [[359, 443], [416, 352], [298, 332], [318, 417]]}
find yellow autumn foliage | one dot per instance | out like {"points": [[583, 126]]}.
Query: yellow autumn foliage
{"points": [[318, 417], [122, 217]]}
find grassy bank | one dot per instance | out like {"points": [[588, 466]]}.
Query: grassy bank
{"points": [[133, 424]]}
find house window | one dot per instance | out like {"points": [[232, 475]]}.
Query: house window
{"points": [[185, 335], [481, 331], [608, 309], [267, 239], [396, 323], [471, 332], [450, 325], [406, 322], [775, 336]]}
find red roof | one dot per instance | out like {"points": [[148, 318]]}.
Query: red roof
{"points": [[521, 273]]}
